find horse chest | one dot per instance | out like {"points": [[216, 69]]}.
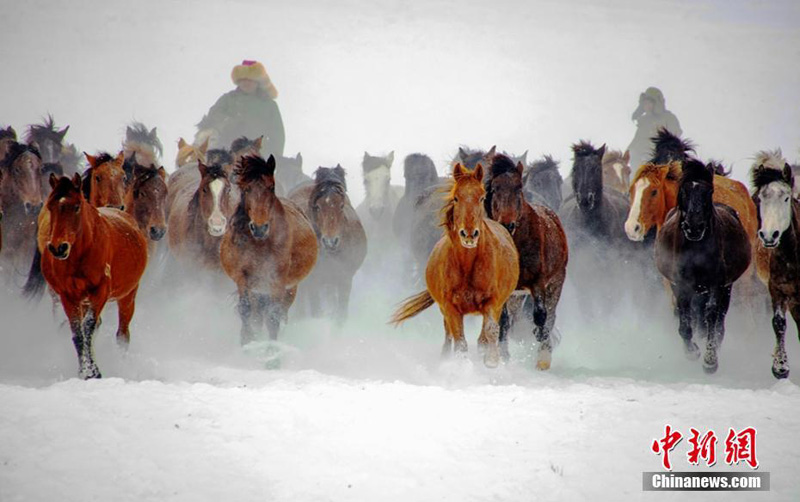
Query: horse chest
{"points": [[701, 264]]}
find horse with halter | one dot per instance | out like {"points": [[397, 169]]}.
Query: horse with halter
{"points": [[778, 251], [473, 269], [542, 183], [542, 247], [341, 240], [87, 256], [269, 249], [702, 249]]}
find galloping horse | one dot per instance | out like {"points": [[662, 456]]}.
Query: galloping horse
{"points": [[189, 176], [702, 249], [47, 139], [542, 183], [104, 181], [420, 174], [341, 240], [542, 247], [8, 137], [143, 144], [189, 154], [289, 172], [617, 170], [376, 211], [88, 256], [269, 249], [778, 251], [20, 202], [199, 214], [145, 200], [473, 269]]}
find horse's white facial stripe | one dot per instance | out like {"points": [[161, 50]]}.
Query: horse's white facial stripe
{"points": [[634, 216], [377, 184], [618, 169], [776, 211], [216, 194]]}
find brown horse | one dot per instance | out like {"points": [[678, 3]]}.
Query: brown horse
{"points": [[190, 154], [188, 174], [702, 249], [142, 143], [8, 137], [20, 201], [199, 214], [269, 249], [88, 256], [617, 170], [778, 251], [542, 247], [145, 200], [473, 269], [104, 181], [341, 239]]}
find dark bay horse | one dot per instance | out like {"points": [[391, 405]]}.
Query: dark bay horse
{"points": [[20, 202], [48, 139], [88, 256], [778, 251], [145, 200], [473, 269], [8, 137], [542, 247], [702, 249], [542, 183], [289, 172], [269, 249], [341, 240], [104, 181], [420, 174], [200, 211]]}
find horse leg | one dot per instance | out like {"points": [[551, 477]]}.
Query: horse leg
{"points": [[447, 348], [343, 288], [683, 298], [245, 309], [544, 318], [710, 305], [780, 361], [82, 322], [490, 333], [456, 322], [126, 306], [505, 326], [273, 312]]}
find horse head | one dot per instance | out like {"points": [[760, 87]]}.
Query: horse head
{"points": [[189, 153], [105, 183], [327, 205], [213, 198], [504, 197], [146, 199], [21, 182], [542, 183], [463, 212], [256, 178], [377, 182], [773, 198], [66, 206], [648, 196], [587, 175], [695, 199]]}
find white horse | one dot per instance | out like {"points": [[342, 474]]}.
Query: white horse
{"points": [[377, 210]]}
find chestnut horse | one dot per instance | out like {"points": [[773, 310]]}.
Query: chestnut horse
{"points": [[268, 250], [542, 247], [20, 202], [189, 153], [199, 215], [473, 269], [104, 181], [778, 251], [702, 249], [88, 256], [341, 240]]}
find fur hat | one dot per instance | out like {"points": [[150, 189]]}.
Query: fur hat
{"points": [[254, 70]]}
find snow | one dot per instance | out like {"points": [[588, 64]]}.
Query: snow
{"points": [[370, 412]]}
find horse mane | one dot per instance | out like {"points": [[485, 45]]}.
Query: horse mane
{"points": [[47, 129], [668, 147], [8, 132], [585, 148], [762, 176], [696, 171], [447, 213], [673, 173], [100, 159], [546, 163], [501, 164], [327, 180], [612, 156], [63, 188], [52, 167], [138, 133], [242, 143], [219, 156], [719, 168], [142, 175], [771, 159], [252, 167], [16, 150]]}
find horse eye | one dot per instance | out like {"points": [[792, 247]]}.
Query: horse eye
{"points": [[77, 209], [455, 199], [97, 179], [205, 189], [653, 193], [136, 194]]}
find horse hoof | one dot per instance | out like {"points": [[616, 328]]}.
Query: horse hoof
{"points": [[505, 356], [91, 374], [542, 365], [460, 346], [491, 359], [780, 372], [710, 364], [692, 351], [543, 360]]}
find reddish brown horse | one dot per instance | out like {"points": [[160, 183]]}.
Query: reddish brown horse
{"points": [[542, 247], [104, 181], [199, 214], [341, 239], [20, 201], [88, 256], [473, 269], [268, 250]]}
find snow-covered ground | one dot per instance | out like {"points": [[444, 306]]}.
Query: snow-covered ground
{"points": [[370, 412]]}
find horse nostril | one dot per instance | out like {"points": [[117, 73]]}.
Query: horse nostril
{"points": [[463, 233], [775, 234], [637, 228], [475, 233]]}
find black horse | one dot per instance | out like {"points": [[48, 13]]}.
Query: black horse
{"points": [[701, 250], [778, 254], [542, 183], [668, 148]]}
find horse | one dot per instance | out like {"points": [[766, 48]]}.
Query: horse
{"points": [[269, 250], [668, 147], [778, 251], [200, 209], [774, 159], [87, 256], [189, 154], [289, 172], [542, 247], [617, 170], [8, 137], [189, 175], [473, 269], [47, 139], [542, 183], [20, 201], [517, 159], [341, 239], [145, 201], [376, 211], [420, 174], [242, 146], [702, 249], [142, 143], [104, 182]]}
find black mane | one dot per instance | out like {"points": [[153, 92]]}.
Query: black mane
{"points": [[668, 147], [253, 167], [16, 150], [8, 132], [763, 176], [696, 171], [63, 188], [138, 132], [327, 180], [102, 158], [242, 143], [216, 171], [219, 156], [501, 164], [585, 149]]}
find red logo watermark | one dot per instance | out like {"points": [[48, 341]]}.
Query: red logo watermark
{"points": [[739, 447]]}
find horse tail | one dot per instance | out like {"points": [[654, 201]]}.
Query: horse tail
{"points": [[34, 286], [411, 307]]}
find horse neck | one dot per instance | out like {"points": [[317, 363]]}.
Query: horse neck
{"points": [[788, 245]]}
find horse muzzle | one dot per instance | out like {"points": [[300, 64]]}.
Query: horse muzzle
{"points": [[469, 240], [61, 252], [331, 243], [32, 209], [770, 241], [693, 234], [511, 227], [216, 227], [157, 233], [260, 232]]}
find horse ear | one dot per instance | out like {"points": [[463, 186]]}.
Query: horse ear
{"points": [[788, 175], [524, 157], [366, 155], [53, 180], [12, 132], [299, 158], [128, 131], [162, 172], [76, 181], [120, 157], [153, 133], [271, 165], [627, 157], [204, 146], [390, 157], [520, 168], [202, 168], [478, 172], [91, 159], [491, 152], [63, 132], [181, 143], [458, 171], [461, 153], [602, 150]]}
